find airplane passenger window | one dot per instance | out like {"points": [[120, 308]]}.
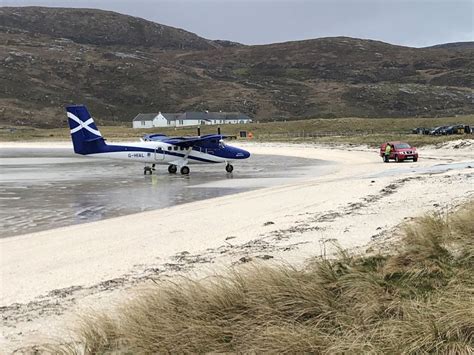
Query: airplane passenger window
{"points": [[175, 147], [159, 149], [181, 148], [169, 148]]}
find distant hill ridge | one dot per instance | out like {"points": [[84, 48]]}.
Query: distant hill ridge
{"points": [[99, 27], [455, 45], [120, 65]]}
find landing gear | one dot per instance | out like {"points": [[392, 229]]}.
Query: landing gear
{"points": [[172, 169], [147, 170], [229, 168], [153, 167]]}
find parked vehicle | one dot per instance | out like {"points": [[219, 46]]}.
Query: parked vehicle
{"points": [[459, 129], [455, 129], [420, 130], [446, 130], [400, 152], [438, 130]]}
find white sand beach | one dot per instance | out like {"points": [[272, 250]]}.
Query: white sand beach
{"points": [[359, 202]]}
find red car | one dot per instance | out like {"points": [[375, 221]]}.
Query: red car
{"points": [[400, 151]]}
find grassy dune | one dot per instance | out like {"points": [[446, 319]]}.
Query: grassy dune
{"points": [[370, 131], [417, 299]]}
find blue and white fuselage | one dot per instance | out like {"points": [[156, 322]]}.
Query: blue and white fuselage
{"points": [[176, 152]]}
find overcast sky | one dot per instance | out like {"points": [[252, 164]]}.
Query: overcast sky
{"points": [[415, 23]]}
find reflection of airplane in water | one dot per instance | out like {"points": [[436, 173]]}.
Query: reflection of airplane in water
{"points": [[177, 152]]}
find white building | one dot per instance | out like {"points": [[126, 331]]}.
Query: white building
{"points": [[150, 120]]}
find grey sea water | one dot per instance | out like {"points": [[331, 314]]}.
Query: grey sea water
{"points": [[47, 188]]}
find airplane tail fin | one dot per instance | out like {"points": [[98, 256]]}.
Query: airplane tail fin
{"points": [[86, 138]]}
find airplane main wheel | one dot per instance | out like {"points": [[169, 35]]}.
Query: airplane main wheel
{"points": [[184, 170], [229, 168], [147, 170], [172, 169]]}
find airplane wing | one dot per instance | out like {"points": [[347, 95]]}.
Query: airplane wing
{"points": [[192, 141], [154, 137], [185, 141]]}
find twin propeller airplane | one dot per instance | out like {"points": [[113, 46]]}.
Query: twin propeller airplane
{"points": [[176, 152]]}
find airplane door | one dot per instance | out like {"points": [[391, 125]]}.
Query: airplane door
{"points": [[159, 154]]}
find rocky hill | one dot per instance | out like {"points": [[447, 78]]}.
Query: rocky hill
{"points": [[455, 45], [121, 65], [100, 27]]}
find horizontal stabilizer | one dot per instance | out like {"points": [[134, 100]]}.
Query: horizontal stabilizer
{"points": [[94, 139]]}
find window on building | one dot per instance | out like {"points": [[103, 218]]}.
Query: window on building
{"points": [[143, 123]]}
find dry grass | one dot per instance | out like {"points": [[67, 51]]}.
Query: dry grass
{"points": [[419, 299]]}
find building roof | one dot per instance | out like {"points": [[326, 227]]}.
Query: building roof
{"points": [[193, 115], [190, 115], [171, 116], [145, 117]]}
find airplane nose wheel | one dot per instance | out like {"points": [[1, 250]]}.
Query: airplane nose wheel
{"points": [[147, 170], [229, 168], [172, 169], [184, 170]]}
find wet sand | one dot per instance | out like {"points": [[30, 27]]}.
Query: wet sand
{"points": [[55, 273], [45, 188]]}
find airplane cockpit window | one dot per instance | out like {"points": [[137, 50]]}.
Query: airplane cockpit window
{"points": [[221, 144]]}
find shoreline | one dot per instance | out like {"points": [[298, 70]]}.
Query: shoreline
{"points": [[69, 268]]}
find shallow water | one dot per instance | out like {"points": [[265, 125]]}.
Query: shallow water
{"points": [[47, 188]]}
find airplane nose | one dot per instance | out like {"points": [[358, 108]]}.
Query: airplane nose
{"points": [[242, 154]]}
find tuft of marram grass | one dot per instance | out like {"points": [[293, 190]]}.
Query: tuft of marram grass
{"points": [[417, 300]]}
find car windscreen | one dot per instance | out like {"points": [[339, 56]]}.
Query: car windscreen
{"points": [[402, 146]]}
